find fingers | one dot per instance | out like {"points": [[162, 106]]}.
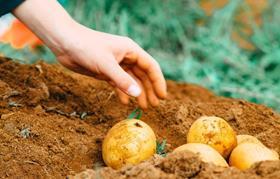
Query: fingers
{"points": [[147, 64], [142, 99], [121, 78], [152, 98], [124, 98]]}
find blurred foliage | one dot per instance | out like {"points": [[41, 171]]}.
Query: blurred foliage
{"points": [[202, 54], [27, 54]]}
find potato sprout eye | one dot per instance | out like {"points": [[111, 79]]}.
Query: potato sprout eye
{"points": [[137, 124]]}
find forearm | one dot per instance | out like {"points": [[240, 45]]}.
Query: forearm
{"points": [[93, 53], [48, 20]]}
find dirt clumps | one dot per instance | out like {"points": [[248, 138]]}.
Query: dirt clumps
{"points": [[52, 123], [181, 165]]}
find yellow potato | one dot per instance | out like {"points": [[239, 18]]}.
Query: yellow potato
{"points": [[247, 139], [275, 153], [251, 139], [205, 152], [128, 142], [215, 132], [246, 154]]}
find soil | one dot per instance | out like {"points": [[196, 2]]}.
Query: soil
{"points": [[53, 123]]}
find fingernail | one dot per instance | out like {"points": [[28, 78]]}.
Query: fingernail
{"points": [[134, 90]]}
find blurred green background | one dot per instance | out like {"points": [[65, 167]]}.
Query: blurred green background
{"points": [[190, 45]]}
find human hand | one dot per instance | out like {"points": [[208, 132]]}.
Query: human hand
{"points": [[115, 59]]}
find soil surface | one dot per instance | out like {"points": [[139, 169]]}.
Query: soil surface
{"points": [[53, 123]]}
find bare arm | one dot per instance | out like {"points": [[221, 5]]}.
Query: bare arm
{"points": [[115, 59]]}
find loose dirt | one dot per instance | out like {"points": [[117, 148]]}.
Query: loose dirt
{"points": [[53, 123]]}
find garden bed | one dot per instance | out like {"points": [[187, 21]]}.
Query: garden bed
{"points": [[53, 123]]}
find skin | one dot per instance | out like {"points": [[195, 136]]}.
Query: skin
{"points": [[205, 152], [116, 59], [246, 154], [247, 139], [215, 132], [128, 142]]}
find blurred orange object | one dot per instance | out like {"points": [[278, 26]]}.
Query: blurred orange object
{"points": [[19, 36]]}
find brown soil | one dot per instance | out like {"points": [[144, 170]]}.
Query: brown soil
{"points": [[53, 123]]}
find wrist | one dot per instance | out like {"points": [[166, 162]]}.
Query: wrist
{"points": [[67, 38], [59, 38], [48, 20]]}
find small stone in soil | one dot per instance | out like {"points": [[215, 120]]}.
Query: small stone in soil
{"points": [[25, 133]]}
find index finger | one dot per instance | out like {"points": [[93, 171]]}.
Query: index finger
{"points": [[151, 67]]}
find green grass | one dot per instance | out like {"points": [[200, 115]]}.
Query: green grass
{"points": [[204, 55]]}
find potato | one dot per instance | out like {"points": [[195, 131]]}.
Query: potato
{"points": [[205, 152], [251, 139], [128, 142], [215, 132], [275, 153], [246, 154], [247, 139]]}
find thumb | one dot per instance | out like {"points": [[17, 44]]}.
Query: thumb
{"points": [[121, 78]]}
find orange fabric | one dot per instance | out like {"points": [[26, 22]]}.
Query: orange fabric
{"points": [[19, 36]]}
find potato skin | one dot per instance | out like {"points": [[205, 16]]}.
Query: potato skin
{"points": [[128, 142], [205, 152], [244, 138], [246, 154], [213, 131]]}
